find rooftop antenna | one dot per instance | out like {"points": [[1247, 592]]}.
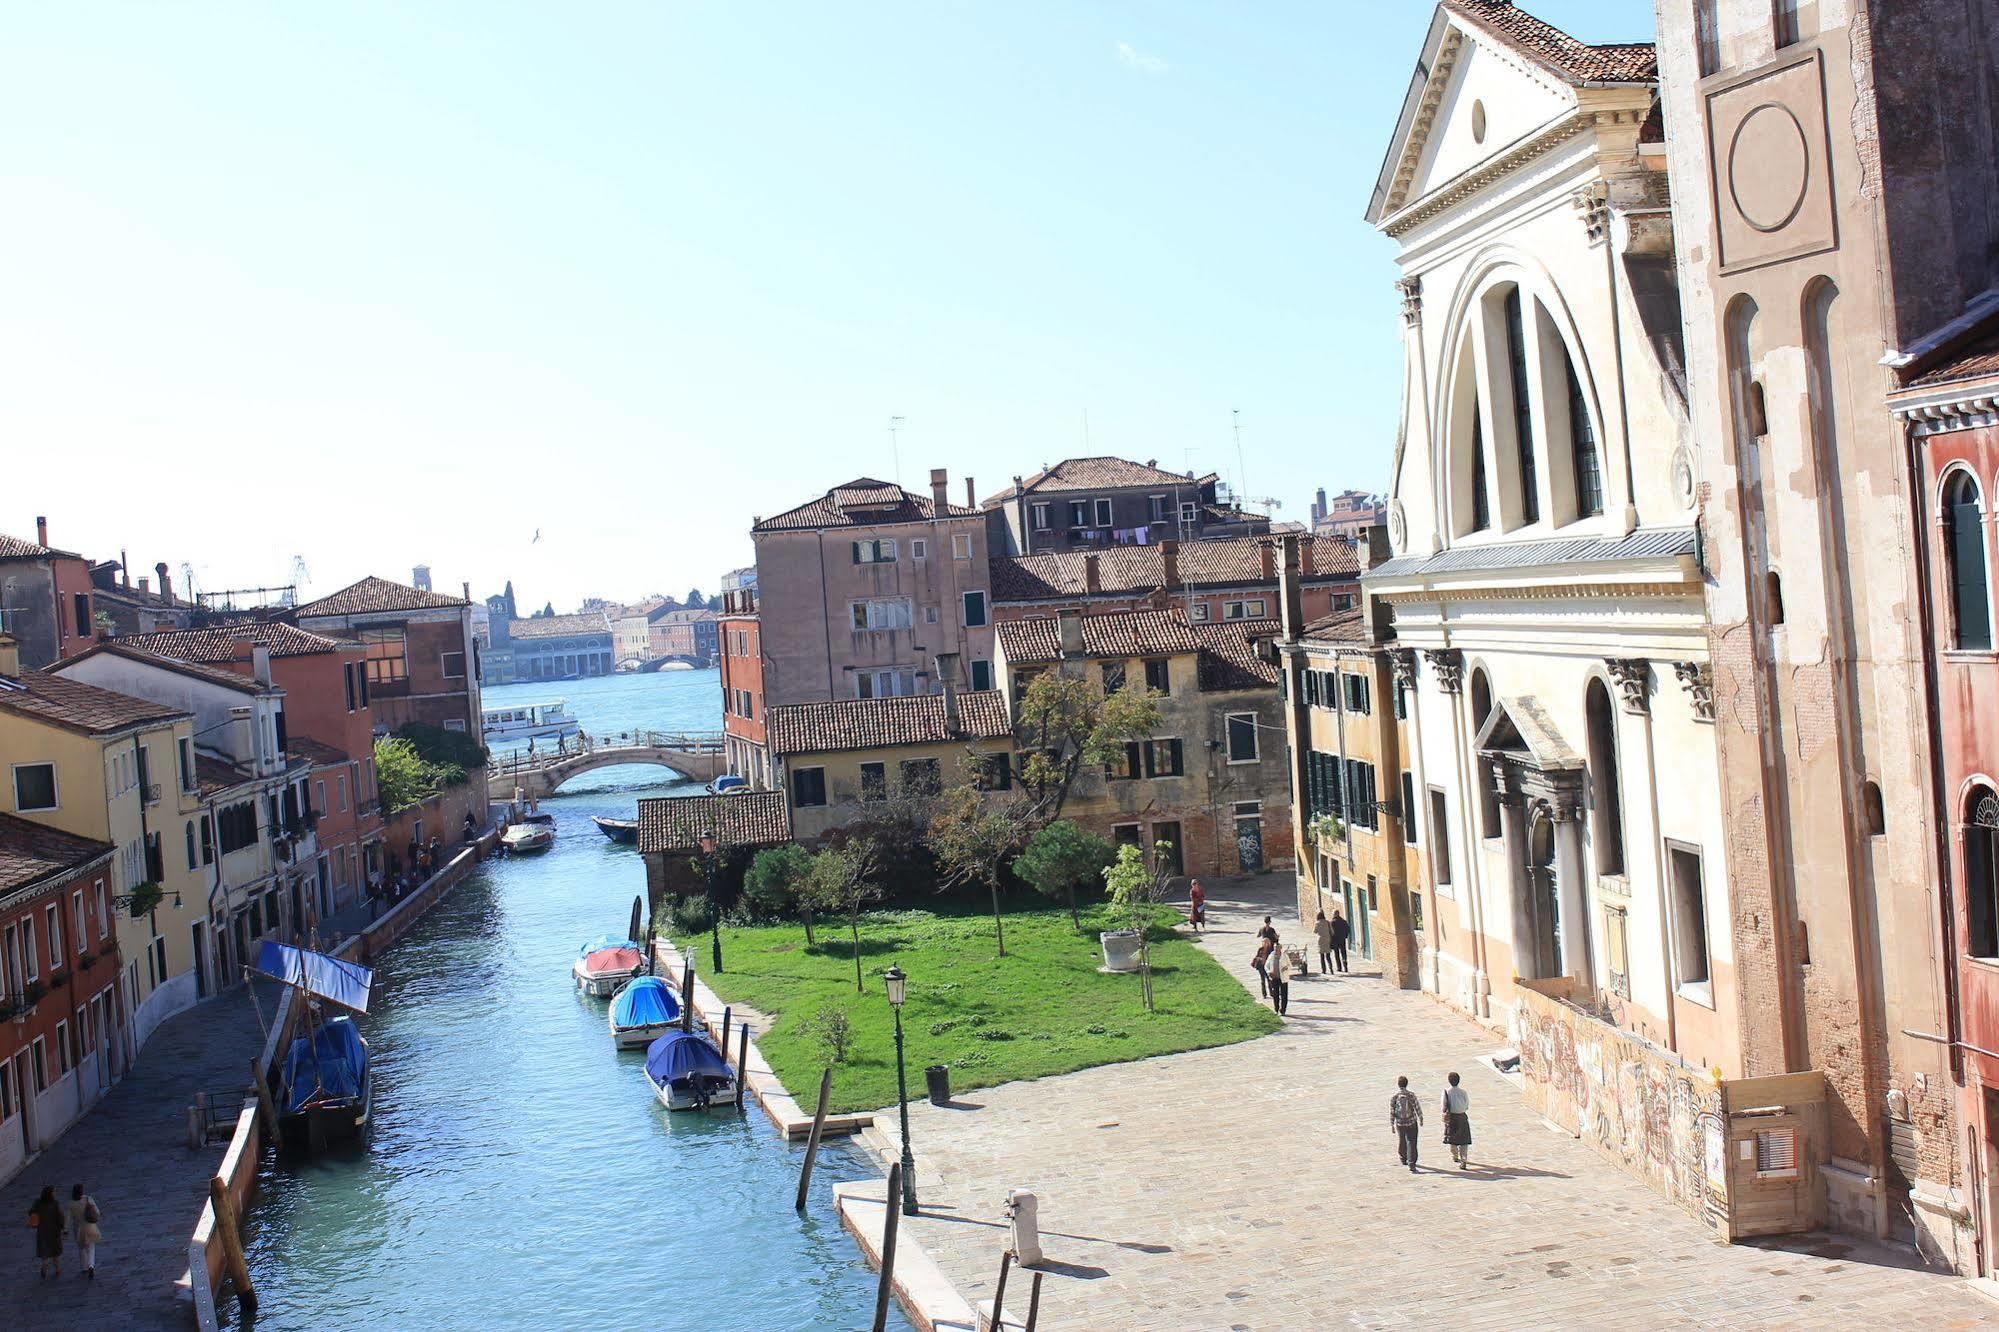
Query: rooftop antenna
{"points": [[1086, 430], [1241, 471], [895, 446]]}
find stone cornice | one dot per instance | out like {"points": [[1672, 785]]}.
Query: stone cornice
{"points": [[1463, 187], [1966, 406]]}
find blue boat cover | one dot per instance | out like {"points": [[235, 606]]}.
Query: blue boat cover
{"points": [[679, 1054], [333, 1069], [328, 978], [644, 1002], [607, 941]]}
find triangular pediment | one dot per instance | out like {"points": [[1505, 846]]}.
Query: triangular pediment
{"points": [[1521, 729], [1481, 90]]}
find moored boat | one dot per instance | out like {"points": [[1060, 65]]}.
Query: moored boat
{"points": [[687, 1072], [601, 967], [618, 830], [327, 1087], [522, 839], [642, 1012]]}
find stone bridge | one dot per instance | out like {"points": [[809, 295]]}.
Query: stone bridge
{"points": [[695, 755]]}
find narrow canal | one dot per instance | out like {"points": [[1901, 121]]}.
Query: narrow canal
{"points": [[520, 1173]]}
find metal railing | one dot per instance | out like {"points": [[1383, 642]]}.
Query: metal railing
{"points": [[215, 1113], [687, 742]]}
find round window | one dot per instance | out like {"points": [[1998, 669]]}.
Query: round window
{"points": [[1478, 122]]}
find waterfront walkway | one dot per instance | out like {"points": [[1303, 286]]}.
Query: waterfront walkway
{"points": [[130, 1151], [1256, 1187]]}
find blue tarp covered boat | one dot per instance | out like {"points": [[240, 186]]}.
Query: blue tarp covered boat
{"points": [[319, 975], [687, 1071], [643, 1012], [325, 1087]]}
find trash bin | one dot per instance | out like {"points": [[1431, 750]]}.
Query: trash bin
{"points": [[938, 1076]]}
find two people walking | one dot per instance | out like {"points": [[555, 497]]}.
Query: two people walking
{"points": [[1332, 936], [52, 1220], [1405, 1116]]}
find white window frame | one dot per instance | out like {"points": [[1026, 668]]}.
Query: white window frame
{"points": [[1198, 612], [875, 615], [53, 915], [880, 550], [80, 923], [961, 545], [985, 609], [55, 788], [1100, 509], [919, 549], [1160, 507], [103, 911], [1256, 609], [1037, 516], [1234, 610], [1701, 990], [1228, 739]]}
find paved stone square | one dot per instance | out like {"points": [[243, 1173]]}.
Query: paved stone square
{"points": [[1256, 1187]]}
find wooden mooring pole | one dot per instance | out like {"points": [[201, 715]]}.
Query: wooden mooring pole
{"points": [[812, 1142], [726, 1011], [742, 1062], [267, 1108], [891, 1213], [232, 1246], [999, 1293], [1033, 1304], [687, 993]]}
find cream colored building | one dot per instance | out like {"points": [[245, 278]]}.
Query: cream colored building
{"points": [[1544, 589]]}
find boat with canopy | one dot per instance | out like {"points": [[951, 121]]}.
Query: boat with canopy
{"points": [[642, 1012], [602, 966], [325, 1085], [687, 1072]]}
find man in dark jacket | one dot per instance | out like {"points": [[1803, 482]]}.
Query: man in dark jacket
{"points": [[1341, 933]]}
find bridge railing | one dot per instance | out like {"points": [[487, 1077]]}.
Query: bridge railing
{"points": [[547, 755]]}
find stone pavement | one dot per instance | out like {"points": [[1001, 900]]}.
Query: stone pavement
{"points": [[1256, 1187], [130, 1151]]}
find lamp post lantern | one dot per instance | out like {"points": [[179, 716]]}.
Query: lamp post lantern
{"points": [[708, 854], [897, 986]]}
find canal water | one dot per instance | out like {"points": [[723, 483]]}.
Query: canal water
{"points": [[520, 1173]]}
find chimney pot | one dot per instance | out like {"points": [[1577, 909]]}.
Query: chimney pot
{"points": [[1152, 463], [144, 583], [971, 495], [1070, 625], [1093, 579], [166, 583], [41, 530]]}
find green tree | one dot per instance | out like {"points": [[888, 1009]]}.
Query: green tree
{"points": [[973, 835], [777, 881], [401, 776], [845, 880], [1061, 858], [1065, 726], [695, 601], [1134, 888]]}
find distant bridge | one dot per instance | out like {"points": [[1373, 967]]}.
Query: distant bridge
{"points": [[647, 665], [693, 754]]}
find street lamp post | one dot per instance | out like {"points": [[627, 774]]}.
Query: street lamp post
{"points": [[897, 986], [714, 907]]}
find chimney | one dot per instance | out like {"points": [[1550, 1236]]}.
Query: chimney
{"points": [[1308, 557], [41, 530], [166, 583], [1290, 594], [1267, 556], [1373, 543], [144, 584], [465, 589], [1169, 562], [124, 569], [1152, 463], [1070, 622], [947, 672], [10, 657], [1093, 579], [1018, 488], [420, 578], [971, 495], [940, 491]]}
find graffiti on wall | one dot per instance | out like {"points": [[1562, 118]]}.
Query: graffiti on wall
{"points": [[1651, 1115]]}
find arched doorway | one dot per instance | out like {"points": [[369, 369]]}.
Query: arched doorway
{"points": [[1544, 911]]}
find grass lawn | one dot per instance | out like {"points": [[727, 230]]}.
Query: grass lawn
{"points": [[1043, 1008]]}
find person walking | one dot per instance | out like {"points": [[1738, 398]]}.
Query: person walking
{"points": [[1405, 1115], [1268, 931], [1279, 984], [83, 1217], [1457, 1123], [1197, 906], [45, 1216], [1257, 965], [1341, 933], [1322, 929]]}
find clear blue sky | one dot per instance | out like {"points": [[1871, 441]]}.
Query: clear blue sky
{"points": [[385, 284]]}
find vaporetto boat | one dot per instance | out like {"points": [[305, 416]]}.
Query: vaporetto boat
{"points": [[528, 721]]}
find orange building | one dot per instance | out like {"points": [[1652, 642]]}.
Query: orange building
{"points": [[739, 643]]}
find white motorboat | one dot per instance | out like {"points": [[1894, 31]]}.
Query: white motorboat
{"points": [[601, 967], [687, 1072], [523, 839], [642, 1012], [528, 721]]}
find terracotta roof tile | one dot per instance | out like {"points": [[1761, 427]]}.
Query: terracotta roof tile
{"points": [[215, 675], [873, 723], [874, 503], [1974, 360], [76, 706], [560, 626], [31, 854], [218, 643], [1117, 634], [1102, 472], [1343, 628], [1229, 655], [372, 595], [1124, 570], [213, 774], [674, 823], [314, 753], [1548, 46], [14, 548]]}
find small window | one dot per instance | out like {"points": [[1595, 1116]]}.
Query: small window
{"points": [[975, 609], [184, 748], [1079, 513], [1785, 23], [992, 772], [1690, 952], [1198, 612], [1164, 758], [1126, 766], [34, 786], [874, 552], [808, 787], [1870, 801], [1773, 597], [1777, 1153], [1258, 608], [1242, 737], [1157, 677], [1156, 505], [1103, 513], [1359, 694], [930, 615], [961, 546], [453, 664], [874, 781], [1038, 516], [1617, 949], [1964, 551], [454, 723], [1113, 672], [191, 859], [982, 673], [1408, 807], [54, 916], [921, 777], [1233, 610]]}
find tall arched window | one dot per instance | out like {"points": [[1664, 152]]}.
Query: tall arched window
{"points": [[1964, 543], [1981, 872], [1582, 448], [1523, 409], [1606, 798]]}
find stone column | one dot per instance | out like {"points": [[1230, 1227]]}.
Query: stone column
{"points": [[1575, 934], [1513, 843]]}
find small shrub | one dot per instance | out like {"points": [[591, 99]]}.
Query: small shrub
{"points": [[690, 915], [995, 1034], [939, 1028], [835, 1032]]}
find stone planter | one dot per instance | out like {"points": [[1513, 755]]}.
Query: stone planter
{"points": [[1120, 950]]}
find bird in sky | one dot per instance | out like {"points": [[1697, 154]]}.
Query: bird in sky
{"points": [[537, 536]]}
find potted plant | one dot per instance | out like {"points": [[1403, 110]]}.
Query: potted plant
{"points": [[145, 896], [1326, 828]]}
